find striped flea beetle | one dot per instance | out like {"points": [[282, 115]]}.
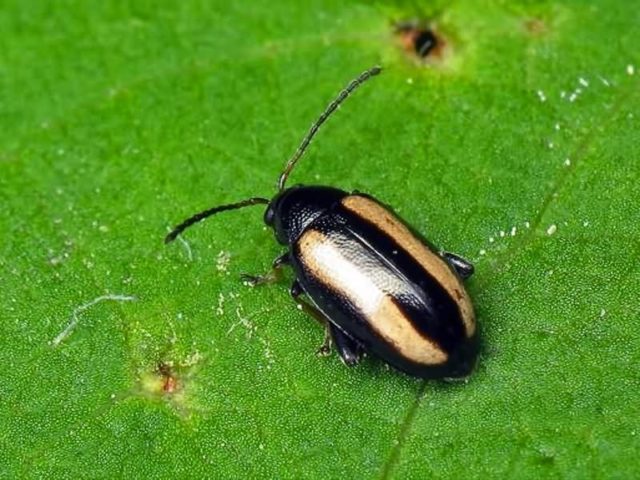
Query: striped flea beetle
{"points": [[370, 279]]}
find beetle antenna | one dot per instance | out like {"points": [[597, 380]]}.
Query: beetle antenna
{"points": [[211, 211], [342, 96]]}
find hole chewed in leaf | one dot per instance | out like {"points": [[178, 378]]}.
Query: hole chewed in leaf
{"points": [[420, 40], [424, 42]]}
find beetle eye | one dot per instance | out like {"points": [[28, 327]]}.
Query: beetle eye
{"points": [[270, 215]]}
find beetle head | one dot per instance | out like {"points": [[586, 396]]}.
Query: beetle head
{"points": [[293, 209]]}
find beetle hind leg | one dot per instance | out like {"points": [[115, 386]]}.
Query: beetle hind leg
{"points": [[463, 267], [272, 276], [327, 343], [348, 349]]}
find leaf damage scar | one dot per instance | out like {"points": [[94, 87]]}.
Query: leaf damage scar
{"points": [[75, 315]]}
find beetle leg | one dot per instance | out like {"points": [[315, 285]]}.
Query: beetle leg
{"points": [[325, 348], [296, 290], [271, 277], [317, 315], [349, 350], [463, 267]]}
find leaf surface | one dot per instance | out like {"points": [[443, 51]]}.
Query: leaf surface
{"points": [[518, 149]]}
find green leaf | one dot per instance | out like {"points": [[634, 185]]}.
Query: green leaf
{"points": [[517, 148]]}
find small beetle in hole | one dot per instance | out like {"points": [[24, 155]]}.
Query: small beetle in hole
{"points": [[374, 283]]}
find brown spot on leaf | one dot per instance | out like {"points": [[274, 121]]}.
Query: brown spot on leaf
{"points": [[535, 27], [168, 377]]}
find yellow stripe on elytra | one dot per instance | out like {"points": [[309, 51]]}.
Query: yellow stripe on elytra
{"points": [[432, 263], [328, 264]]}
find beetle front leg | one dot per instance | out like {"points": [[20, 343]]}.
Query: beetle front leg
{"points": [[271, 277], [348, 349], [463, 267]]}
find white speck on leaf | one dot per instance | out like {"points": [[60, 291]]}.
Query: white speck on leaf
{"points": [[583, 82], [567, 162], [222, 261], [542, 96], [220, 307], [603, 312], [192, 359], [552, 229], [58, 260], [244, 321], [605, 82], [251, 328], [631, 69]]}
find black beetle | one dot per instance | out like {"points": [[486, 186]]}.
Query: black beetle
{"points": [[376, 285]]}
